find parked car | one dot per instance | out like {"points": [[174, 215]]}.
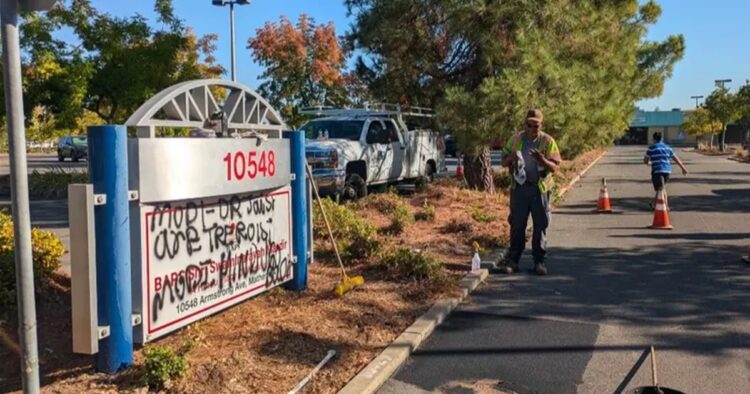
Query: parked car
{"points": [[349, 150], [73, 146]]}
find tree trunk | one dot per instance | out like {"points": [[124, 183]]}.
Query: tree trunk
{"points": [[478, 171], [724, 138], [711, 141]]}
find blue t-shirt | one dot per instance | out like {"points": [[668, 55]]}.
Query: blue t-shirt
{"points": [[661, 156]]}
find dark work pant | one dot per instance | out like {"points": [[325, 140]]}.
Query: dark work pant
{"points": [[525, 200]]}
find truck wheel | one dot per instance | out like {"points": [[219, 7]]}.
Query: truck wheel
{"points": [[355, 187], [60, 156]]}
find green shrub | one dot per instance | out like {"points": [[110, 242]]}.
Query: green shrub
{"points": [[400, 218], [408, 264], [427, 213], [502, 179], [46, 251], [54, 183], [355, 237], [162, 364], [480, 216]]}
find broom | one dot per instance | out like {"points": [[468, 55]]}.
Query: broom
{"points": [[347, 283]]}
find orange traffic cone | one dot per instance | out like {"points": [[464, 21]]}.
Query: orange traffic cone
{"points": [[661, 216], [603, 205], [459, 168]]}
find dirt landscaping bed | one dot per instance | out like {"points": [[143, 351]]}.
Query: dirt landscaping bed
{"points": [[268, 344]]}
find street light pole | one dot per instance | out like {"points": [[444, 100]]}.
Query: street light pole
{"points": [[231, 3], [696, 99], [231, 29], [720, 82], [20, 197]]}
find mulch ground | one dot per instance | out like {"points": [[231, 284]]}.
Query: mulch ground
{"points": [[267, 345]]}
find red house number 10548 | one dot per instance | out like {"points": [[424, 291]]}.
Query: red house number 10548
{"points": [[250, 165]]}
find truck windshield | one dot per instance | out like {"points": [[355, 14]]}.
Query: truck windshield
{"points": [[79, 140], [338, 129]]}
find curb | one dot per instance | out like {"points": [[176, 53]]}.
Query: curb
{"points": [[380, 369], [578, 177]]}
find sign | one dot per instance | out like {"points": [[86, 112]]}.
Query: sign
{"points": [[169, 169], [202, 256]]}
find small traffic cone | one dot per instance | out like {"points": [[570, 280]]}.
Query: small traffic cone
{"points": [[661, 216], [459, 168], [603, 205]]}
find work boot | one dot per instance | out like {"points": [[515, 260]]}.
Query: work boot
{"points": [[509, 267], [540, 269]]}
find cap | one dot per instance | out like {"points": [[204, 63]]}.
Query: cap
{"points": [[534, 114]]}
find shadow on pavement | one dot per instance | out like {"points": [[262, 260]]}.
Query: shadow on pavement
{"points": [[721, 200]]}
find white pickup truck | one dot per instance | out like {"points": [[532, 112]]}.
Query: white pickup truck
{"points": [[351, 149]]}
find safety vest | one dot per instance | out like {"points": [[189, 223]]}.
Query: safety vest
{"points": [[547, 146]]}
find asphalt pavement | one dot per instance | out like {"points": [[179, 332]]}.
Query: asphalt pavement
{"points": [[615, 288], [42, 163]]}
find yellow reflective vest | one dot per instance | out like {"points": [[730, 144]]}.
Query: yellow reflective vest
{"points": [[547, 146]]}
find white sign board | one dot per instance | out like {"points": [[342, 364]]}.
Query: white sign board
{"points": [[170, 169], [201, 256]]}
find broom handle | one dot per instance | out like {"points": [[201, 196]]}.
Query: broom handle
{"points": [[325, 218], [653, 368]]}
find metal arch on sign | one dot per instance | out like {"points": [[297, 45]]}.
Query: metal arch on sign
{"points": [[191, 103]]}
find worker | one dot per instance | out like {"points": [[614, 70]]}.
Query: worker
{"points": [[532, 156]]}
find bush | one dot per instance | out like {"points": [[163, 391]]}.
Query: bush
{"points": [[46, 249], [54, 183], [400, 218], [408, 264], [502, 179], [480, 216], [355, 237], [427, 213], [162, 364]]}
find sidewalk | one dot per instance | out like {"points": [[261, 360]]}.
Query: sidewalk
{"points": [[614, 289]]}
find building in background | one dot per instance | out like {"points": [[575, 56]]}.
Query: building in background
{"points": [[669, 124]]}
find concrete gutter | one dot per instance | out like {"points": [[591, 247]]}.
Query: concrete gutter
{"points": [[375, 374]]}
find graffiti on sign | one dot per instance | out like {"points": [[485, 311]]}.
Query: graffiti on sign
{"points": [[204, 256]]}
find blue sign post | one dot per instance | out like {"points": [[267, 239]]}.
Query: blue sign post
{"points": [[300, 219], [108, 172]]}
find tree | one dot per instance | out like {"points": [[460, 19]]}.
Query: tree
{"points": [[304, 65], [743, 106], [484, 63], [113, 67], [699, 123], [723, 107]]}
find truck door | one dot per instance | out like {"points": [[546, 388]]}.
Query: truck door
{"points": [[377, 144], [395, 155]]}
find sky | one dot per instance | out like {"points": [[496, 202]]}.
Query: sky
{"points": [[715, 35]]}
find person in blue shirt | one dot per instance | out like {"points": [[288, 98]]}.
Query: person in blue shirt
{"points": [[660, 156]]}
